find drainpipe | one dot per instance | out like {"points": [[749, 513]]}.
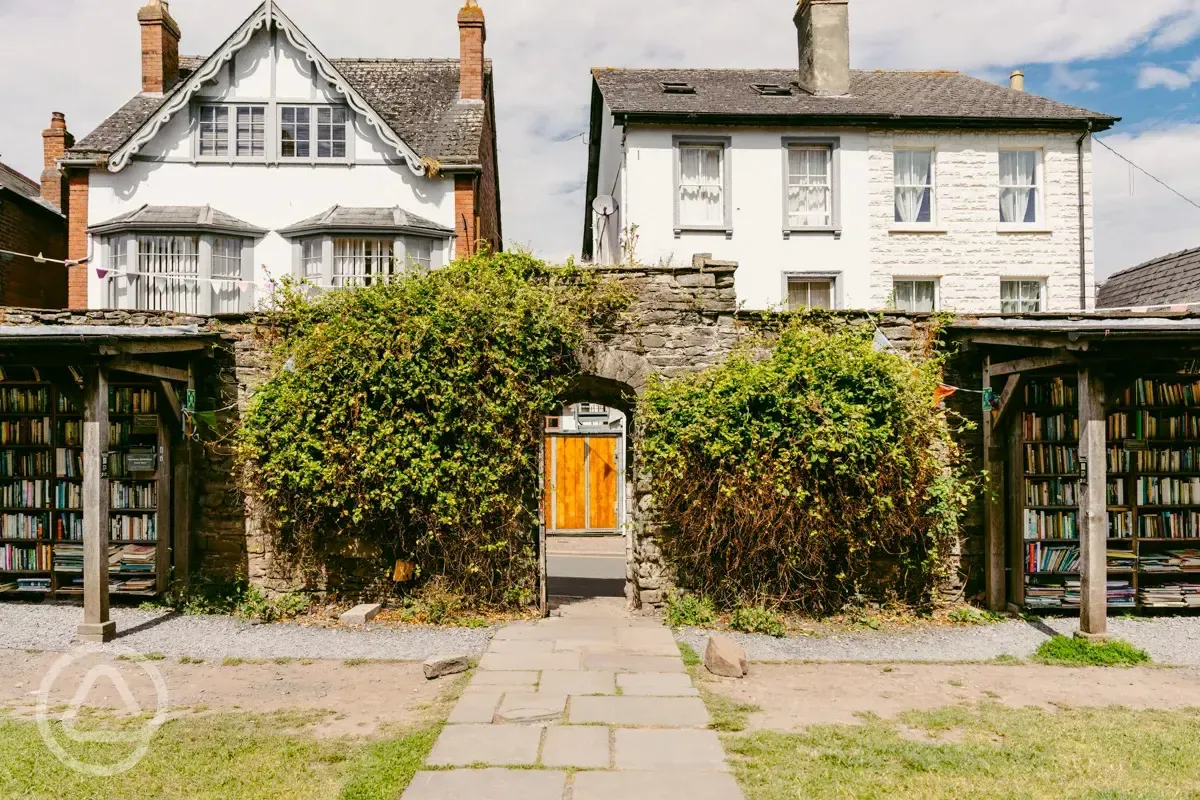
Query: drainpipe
{"points": [[1083, 304]]}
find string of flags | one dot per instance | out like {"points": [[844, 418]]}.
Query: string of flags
{"points": [[991, 400], [243, 285]]}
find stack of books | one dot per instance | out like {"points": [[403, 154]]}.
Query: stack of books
{"points": [[1171, 595], [1121, 559], [33, 584], [1120, 594], [68, 558], [1161, 562], [132, 558], [1049, 558]]}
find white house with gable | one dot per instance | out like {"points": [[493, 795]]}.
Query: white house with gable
{"points": [[267, 159], [838, 188]]}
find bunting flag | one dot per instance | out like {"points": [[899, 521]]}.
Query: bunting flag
{"points": [[243, 285], [101, 273], [942, 392], [991, 400]]}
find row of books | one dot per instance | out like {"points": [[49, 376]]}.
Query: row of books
{"points": [[1051, 558], [1051, 524], [68, 463], [1170, 595], [15, 400], [1169, 525], [25, 585], [120, 584], [25, 493], [1120, 524], [1121, 559], [68, 495], [24, 526], [19, 464], [1051, 458], [133, 528], [1052, 428], [1153, 425], [132, 495], [1175, 459], [1055, 392], [1160, 392], [128, 400], [24, 558], [1168, 491], [1066, 594], [69, 527], [1052, 492], [121, 558], [1171, 561], [28, 431]]}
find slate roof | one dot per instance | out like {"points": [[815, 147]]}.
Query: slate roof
{"points": [[366, 219], [24, 187], [177, 218], [417, 98], [884, 96], [1169, 280]]}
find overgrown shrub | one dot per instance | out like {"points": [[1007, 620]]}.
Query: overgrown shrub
{"points": [[408, 415], [689, 611], [785, 475], [757, 619], [1068, 651]]}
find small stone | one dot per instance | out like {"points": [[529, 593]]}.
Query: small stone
{"points": [[438, 666], [725, 657], [360, 614]]}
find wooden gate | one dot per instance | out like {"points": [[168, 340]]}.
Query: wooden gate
{"points": [[583, 481]]}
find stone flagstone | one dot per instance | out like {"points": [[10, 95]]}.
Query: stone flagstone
{"points": [[498, 745], [655, 749], [581, 746], [674, 712], [670, 785], [487, 784], [660, 684]]}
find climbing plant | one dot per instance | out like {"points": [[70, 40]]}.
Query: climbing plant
{"points": [[798, 470], [407, 415]]}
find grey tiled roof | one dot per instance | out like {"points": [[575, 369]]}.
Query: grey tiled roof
{"points": [[417, 98], [366, 219], [15, 181], [1169, 280], [882, 95], [177, 218]]}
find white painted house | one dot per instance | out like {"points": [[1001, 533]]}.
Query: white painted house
{"points": [[266, 159], [837, 188]]}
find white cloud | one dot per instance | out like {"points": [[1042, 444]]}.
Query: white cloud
{"points": [[1136, 218], [1063, 78], [542, 51], [1152, 76], [1176, 32]]}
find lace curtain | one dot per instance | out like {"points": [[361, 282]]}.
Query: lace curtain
{"points": [[701, 185], [809, 187], [1018, 186], [914, 185]]}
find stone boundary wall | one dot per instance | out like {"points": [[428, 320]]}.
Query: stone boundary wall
{"points": [[682, 319]]}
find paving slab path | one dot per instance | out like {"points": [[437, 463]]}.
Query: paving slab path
{"points": [[590, 705]]}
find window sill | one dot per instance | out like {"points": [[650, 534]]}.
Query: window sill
{"points": [[704, 229], [823, 230], [1035, 229], [917, 228]]}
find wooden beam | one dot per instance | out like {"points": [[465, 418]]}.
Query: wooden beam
{"points": [[1033, 362], [1015, 340], [149, 370], [149, 348], [1016, 515], [1007, 401], [1093, 506], [993, 508], [96, 627], [172, 398]]}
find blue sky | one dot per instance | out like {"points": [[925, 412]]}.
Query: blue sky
{"points": [[1137, 60]]}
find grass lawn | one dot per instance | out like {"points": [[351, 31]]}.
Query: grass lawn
{"points": [[241, 756], [990, 751]]}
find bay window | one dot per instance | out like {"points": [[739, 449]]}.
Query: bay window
{"points": [[312, 260], [362, 262]]}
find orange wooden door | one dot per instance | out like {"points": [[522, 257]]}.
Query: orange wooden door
{"points": [[602, 483], [570, 483]]}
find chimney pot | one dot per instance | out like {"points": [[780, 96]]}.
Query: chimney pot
{"points": [[160, 47], [1016, 81], [472, 34], [823, 29], [56, 140]]}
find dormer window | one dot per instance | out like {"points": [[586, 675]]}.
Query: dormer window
{"points": [[772, 89], [308, 132], [678, 87], [249, 132], [228, 132]]}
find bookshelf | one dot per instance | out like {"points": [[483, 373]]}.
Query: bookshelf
{"points": [[1153, 494], [41, 487]]}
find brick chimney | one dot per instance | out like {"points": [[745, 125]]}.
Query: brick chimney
{"points": [[56, 140], [472, 34], [160, 47], [824, 36]]}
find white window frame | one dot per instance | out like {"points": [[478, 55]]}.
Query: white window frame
{"points": [[231, 155], [937, 292], [834, 146], [934, 223], [190, 292], [724, 144], [833, 278], [1021, 299], [314, 113], [407, 250], [376, 264], [312, 259], [1039, 224]]}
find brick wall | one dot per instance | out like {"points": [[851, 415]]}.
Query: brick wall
{"points": [[28, 227], [465, 220], [77, 237], [472, 35], [160, 48]]}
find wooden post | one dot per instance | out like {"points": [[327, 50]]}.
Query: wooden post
{"points": [[993, 509], [1093, 507], [162, 508], [1016, 515], [96, 627]]}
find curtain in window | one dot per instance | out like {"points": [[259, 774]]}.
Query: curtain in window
{"points": [[701, 185], [809, 294], [169, 267], [227, 264], [1018, 186], [914, 182], [1020, 297], [362, 261], [914, 296], [809, 187]]}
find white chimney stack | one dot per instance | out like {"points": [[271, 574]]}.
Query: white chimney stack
{"points": [[1016, 81], [823, 27]]}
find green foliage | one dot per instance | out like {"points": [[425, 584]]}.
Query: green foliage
{"points": [[686, 610], [757, 619], [221, 595], [407, 415], [785, 474], [1069, 651], [254, 604], [970, 615], [726, 714], [690, 657]]}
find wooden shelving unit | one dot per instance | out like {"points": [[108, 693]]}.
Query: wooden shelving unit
{"points": [[41, 469], [1153, 495]]}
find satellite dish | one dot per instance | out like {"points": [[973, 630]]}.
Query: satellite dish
{"points": [[604, 205]]}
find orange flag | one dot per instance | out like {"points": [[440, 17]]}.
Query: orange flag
{"points": [[942, 392]]}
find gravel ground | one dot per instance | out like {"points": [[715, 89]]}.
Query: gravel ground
{"points": [[36, 627], [1169, 640]]}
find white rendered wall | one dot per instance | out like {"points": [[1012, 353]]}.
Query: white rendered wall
{"points": [[968, 253], [607, 230], [270, 196]]}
